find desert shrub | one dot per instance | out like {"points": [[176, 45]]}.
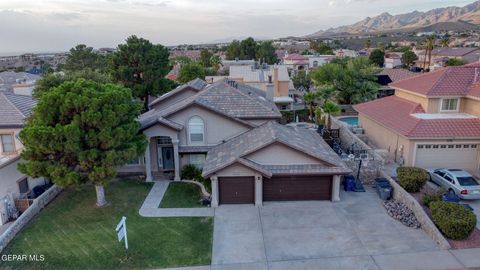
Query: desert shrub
{"points": [[412, 179], [434, 196], [454, 220]]}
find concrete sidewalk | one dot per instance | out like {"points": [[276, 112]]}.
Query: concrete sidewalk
{"points": [[430, 260], [150, 207]]}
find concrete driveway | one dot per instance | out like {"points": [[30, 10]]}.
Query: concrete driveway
{"points": [[352, 234]]}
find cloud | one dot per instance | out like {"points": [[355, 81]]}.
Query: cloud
{"points": [[52, 25]]}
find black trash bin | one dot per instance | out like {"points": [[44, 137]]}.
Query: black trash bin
{"points": [[384, 188]]}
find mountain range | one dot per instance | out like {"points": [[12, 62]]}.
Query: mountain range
{"points": [[463, 17]]}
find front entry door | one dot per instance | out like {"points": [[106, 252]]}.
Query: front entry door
{"points": [[167, 158]]}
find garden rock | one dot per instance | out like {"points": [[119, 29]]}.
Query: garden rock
{"points": [[402, 213]]}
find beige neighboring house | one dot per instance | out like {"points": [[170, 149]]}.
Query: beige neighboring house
{"points": [[229, 130], [440, 56], [13, 184], [274, 80], [432, 121]]}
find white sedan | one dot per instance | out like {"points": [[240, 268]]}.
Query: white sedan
{"points": [[457, 181]]}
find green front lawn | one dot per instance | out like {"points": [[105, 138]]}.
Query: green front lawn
{"points": [[182, 195], [73, 234]]}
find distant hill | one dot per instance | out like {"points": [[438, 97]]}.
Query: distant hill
{"points": [[449, 18]]}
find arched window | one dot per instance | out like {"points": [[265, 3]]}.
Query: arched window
{"points": [[196, 130]]}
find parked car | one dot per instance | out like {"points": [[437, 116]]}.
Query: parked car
{"points": [[457, 181]]}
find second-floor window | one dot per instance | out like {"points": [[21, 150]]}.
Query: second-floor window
{"points": [[7, 143], [196, 130], [450, 104]]}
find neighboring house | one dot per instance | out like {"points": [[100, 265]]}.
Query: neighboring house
{"points": [[315, 61], [13, 184], [387, 76], [441, 55], [296, 62], [271, 79], [21, 83], [432, 120], [342, 53], [393, 60], [226, 64], [213, 125]]}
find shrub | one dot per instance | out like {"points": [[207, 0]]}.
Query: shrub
{"points": [[430, 197], [412, 179], [191, 172], [454, 220]]}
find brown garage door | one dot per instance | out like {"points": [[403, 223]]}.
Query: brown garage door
{"points": [[297, 188], [236, 190]]}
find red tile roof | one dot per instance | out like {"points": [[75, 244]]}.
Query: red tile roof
{"points": [[451, 81], [296, 56], [395, 113]]}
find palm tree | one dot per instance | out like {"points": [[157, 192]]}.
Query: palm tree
{"points": [[310, 98], [330, 109], [430, 46], [445, 42]]}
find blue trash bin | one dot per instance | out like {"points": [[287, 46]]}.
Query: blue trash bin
{"points": [[349, 183], [450, 197]]}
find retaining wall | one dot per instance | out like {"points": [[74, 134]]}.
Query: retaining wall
{"points": [[370, 168], [428, 226], [37, 205]]}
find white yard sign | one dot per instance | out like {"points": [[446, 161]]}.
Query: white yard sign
{"points": [[122, 231]]}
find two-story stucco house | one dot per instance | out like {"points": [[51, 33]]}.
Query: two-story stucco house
{"points": [[431, 121], [13, 184], [229, 129]]}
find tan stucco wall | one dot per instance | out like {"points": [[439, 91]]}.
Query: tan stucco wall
{"points": [[282, 89], [412, 97], [174, 99], [217, 127], [278, 154], [9, 176], [384, 138], [236, 170], [470, 106]]}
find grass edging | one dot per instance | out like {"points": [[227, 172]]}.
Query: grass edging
{"points": [[428, 226]]}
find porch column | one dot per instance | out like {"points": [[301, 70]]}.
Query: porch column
{"points": [[214, 202], [258, 190], [176, 159], [148, 164], [336, 188]]}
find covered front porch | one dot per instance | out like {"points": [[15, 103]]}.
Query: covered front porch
{"points": [[162, 159]]}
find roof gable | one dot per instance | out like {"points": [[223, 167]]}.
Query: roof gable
{"points": [[15, 108], [306, 141], [396, 114], [451, 81]]}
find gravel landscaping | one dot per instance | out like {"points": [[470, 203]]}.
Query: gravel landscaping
{"points": [[402, 213]]}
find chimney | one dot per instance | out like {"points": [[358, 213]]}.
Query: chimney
{"points": [[270, 89], [275, 79]]}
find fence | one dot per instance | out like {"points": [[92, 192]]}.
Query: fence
{"points": [[37, 205]]}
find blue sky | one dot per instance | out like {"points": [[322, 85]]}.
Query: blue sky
{"points": [[56, 25]]}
